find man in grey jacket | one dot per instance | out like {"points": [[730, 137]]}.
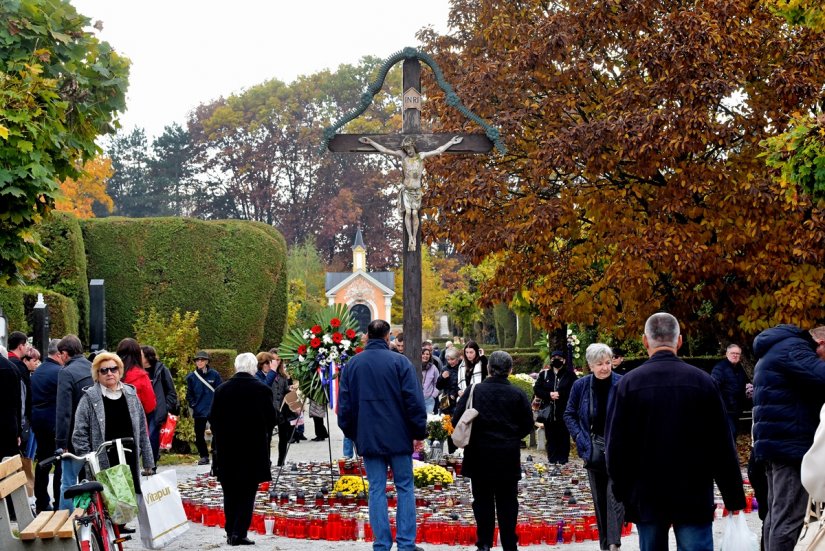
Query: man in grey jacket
{"points": [[72, 381]]}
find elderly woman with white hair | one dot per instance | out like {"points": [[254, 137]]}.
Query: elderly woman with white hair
{"points": [[242, 417], [586, 417]]}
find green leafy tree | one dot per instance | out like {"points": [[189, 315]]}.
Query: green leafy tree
{"points": [[433, 295], [260, 152], [130, 186], [807, 13], [305, 273], [60, 88], [171, 172]]}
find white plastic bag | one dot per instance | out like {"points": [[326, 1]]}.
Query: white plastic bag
{"points": [[737, 536], [161, 516]]}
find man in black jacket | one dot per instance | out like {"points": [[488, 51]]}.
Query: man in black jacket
{"points": [[72, 382], [667, 442], [731, 380], [10, 408]]}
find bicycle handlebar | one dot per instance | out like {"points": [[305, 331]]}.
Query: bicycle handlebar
{"points": [[104, 446]]}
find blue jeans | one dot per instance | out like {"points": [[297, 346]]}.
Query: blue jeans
{"points": [[689, 537], [71, 470], [405, 514], [349, 450], [429, 404]]}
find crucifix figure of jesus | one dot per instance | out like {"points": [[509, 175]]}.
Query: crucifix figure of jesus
{"points": [[412, 165], [412, 146]]}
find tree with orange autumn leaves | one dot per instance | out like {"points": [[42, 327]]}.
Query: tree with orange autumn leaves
{"points": [[633, 180], [78, 195]]}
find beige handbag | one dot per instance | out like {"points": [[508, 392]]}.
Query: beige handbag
{"points": [[462, 430], [812, 537]]}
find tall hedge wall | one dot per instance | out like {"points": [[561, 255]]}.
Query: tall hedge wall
{"points": [[64, 268], [229, 271], [276, 317]]}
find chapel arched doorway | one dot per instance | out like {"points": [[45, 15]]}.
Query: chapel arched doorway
{"points": [[362, 316]]}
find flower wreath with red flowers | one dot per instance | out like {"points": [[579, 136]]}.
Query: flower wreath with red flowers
{"points": [[313, 352]]}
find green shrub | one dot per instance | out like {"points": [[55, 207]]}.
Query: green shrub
{"points": [[526, 362], [63, 312], [223, 361], [63, 269], [18, 306], [526, 386], [11, 301], [231, 272], [175, 339]]}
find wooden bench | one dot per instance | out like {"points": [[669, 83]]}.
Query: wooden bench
{"points": [[53, 530]]}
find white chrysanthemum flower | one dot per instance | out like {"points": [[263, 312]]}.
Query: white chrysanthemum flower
{"points": [[327, 339], [346, 344], [307, 334]]}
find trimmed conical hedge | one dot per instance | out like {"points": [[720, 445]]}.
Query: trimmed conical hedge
{"points": [[233, 272]]}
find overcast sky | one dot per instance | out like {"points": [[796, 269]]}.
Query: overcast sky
{"points": [[187, 52]]}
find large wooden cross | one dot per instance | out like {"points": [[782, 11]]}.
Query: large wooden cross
{"points": [[470, 143]]}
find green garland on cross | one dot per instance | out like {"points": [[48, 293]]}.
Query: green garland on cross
{"points": [[451, 98]]}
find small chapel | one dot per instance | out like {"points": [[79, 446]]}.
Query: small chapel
{"points": [[367, 294]]}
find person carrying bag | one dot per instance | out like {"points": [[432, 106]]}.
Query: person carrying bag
{"points": [[464, 427]]}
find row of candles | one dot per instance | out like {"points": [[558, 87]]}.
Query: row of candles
{"points": [[342, 525], [555, 507]]}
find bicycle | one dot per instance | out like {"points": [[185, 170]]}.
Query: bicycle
{"points": [[94, 530]]}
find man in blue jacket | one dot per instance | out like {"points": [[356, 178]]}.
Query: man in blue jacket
{"points": [[789, 390], [667, 441], [200, 389], [44, 415], [381, 408]]}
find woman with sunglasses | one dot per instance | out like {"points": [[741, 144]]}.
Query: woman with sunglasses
{"points": [[108, 410]]}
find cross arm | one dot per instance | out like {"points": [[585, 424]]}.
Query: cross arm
{"points": [[471, 143]]}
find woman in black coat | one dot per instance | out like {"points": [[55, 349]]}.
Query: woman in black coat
{"points": [[492, 459], [165, 393], [281, 386], [242, 416]]}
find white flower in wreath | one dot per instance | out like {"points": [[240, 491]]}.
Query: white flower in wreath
{"points": [[301, 359], [526, 378], [346, 344], [333, 354], [307, 336], [327, 339]]}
